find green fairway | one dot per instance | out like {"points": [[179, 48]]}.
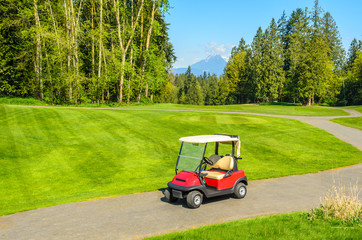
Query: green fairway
{"points": [[354, 122], [283, 226], [278, 109], [50, 156]]}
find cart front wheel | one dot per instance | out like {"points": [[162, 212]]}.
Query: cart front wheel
{"points": [[194, 199], [240, 190]]}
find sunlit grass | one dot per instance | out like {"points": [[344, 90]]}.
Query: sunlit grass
{"points": [[52, 156], [283, 226], [277, 109]]}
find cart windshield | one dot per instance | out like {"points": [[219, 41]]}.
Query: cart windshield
{"points": [[190, 156]]}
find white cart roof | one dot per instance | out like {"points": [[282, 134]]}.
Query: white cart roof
{"points": [[214, 138]]}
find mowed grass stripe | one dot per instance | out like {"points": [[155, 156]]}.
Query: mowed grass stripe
{"points": [[267, 108], [53, 156], [276, 109]]}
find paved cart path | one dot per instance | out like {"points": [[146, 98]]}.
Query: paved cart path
{"points": [[147, 214]]}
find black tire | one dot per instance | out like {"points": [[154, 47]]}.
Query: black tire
{"points": [[240, 190], [194, 199], [169, 196]]}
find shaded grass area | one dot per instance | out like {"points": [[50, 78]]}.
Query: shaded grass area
{"points": [[268, 108], [35, 102], [354, 122], [283, 226], [277, 109], [21, 101], [50, 156]]}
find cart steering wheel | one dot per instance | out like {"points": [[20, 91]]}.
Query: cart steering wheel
{"points": [[208, 161]]}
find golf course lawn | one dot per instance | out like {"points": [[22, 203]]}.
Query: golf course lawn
{"points": [[272, 108], [354, 122], [283, 226], [50, 156], [277, 109]]}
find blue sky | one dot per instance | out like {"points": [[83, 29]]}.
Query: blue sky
{"points": [[204, 27]]}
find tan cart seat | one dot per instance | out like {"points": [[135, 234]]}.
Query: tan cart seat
{"points": [[225, 163]]}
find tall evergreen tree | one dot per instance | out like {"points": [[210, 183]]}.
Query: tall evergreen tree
{"points": [[273, 64], [299, 84], [321, 65], [357, 65], [255, 67], [354, 47], [221, 92], [266, 75], [331, 34], [352, 91], [235, 73], [16, 48]]}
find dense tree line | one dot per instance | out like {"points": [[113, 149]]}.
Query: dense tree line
{"points": [[351, 92], [84, 50], [99, 51], [298, 58]]}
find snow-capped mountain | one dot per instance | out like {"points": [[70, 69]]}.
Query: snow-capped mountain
{"points": [[212, 64]]}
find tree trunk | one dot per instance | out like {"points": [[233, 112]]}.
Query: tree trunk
{"points": [[141, 50], [131, 61], [67, 17], [100, 48], [105, 84], [93, 52], [75, 26], [120, 99], [57, 36], [49, 73], [124, 48], [38, 54], [131, 76]]}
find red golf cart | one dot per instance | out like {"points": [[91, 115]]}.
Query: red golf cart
{"points": [[198, 176]]}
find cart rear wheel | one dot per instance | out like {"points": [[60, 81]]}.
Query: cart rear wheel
{"points": [[169, 196], [194, 199], [240, 190]]}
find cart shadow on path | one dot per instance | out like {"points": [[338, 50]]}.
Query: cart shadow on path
{"points": [[206, 201]]}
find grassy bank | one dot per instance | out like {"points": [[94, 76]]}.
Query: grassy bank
{"points": [[354, 122], [50, 156], [283, 226]]}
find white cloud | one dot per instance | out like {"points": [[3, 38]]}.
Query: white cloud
{"points": [[212, 48]]}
